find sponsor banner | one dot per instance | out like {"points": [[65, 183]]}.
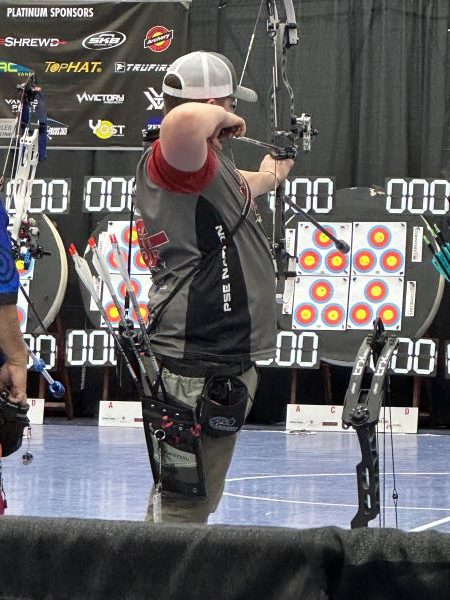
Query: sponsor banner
{"points": [[120, 414], [101, 66], [312, 417]]}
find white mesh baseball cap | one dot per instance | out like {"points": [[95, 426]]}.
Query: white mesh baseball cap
{"points": [[205, 75]]}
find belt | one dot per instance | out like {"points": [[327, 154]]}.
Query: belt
{"points": [[187, 368]]}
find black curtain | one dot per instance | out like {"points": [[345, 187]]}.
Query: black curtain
{"points": [[372, 73]]}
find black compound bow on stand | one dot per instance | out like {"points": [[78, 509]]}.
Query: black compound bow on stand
{"points": [[361, 411]]}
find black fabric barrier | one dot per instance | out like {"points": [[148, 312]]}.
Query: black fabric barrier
{"points": [[88, 559]]}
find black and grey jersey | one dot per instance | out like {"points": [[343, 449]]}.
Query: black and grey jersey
{"points": [[226, 311]]}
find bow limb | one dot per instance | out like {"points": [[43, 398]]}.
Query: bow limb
{"points": [[361, 411]]}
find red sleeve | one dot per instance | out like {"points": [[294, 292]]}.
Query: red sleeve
{"points": [[173, 180]]}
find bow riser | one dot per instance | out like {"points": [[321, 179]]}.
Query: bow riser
{"points": [[22, 183], [361, 411]]}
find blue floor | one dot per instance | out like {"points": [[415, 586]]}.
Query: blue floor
{"points": [[278, 479]]}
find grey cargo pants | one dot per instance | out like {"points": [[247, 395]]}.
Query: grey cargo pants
{"points": [[217, 454]]}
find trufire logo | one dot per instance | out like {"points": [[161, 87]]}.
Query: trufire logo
{"points": [[123, 67]]}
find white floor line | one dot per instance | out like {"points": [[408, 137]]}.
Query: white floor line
{"points": [[432, 524], [285, 501]]}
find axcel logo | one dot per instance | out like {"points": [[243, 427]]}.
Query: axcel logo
{"points": [[31, 42], [104, 40]]}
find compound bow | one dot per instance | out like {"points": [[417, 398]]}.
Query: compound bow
{"points": [[361, 411], [29, 138], [30, 147], [290, 134]]}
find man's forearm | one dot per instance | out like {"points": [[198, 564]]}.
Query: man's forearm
{"points": [[260, 182], [11, 341]]}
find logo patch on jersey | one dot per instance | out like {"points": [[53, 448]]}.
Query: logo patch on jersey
{"points": [[149, 244], [244, 188]]}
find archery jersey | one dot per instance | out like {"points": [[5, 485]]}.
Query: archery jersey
{"points": [[226, 311], [9, 277]]}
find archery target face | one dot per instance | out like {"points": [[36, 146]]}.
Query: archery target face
{"points": [[22, 306], [379, 248], [141, 285], [320, 303], [316, 253], [375, 264], [372, 297], [122, 231]]}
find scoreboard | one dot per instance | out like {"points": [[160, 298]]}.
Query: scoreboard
{"points": [[330, 299]]}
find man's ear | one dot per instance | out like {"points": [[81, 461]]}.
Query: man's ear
{"points": [[211, 101]]}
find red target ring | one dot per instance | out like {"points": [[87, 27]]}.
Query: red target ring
{"points": [[336, 262], [333, 315], [379, 237], [158, 38], [389, 314], [309, 260], [321, 240], [143, 309], [21, 316], [361, 314], [126, 236], [391, 261], [112, 313], [376, 290], [139, 262], [364, 260], [134, 284], [321, 291], [305, 314]]}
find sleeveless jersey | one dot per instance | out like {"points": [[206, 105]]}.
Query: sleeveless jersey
{"points": [[226, 311]]}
